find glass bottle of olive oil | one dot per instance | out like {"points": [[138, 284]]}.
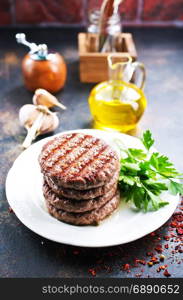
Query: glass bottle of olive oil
{"points": [[118, 104]]}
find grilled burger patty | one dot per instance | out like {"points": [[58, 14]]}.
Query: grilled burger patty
{"points": [[78, 161], [87, 218], [75, 206], [83, 194]]}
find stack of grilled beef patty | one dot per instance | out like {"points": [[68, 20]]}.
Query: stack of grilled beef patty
{"points": [[80, 178]]}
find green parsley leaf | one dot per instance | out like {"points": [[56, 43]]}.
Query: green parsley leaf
{"points": [[162, 164], [155, 187], [137, 154], [127, 179], [175, 188], [147, 139], [143, 178], [138, 195]]}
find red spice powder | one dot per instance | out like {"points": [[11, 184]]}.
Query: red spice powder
{"points": [[10, 210], [126, 267], [152, 234], [154, 259], [166, 273], [92, 272], [178, 216], [179, 231], [158, 248], [140, 261], [173, 224], [163, 267], [153, 243], [166, 237], [149, 253]]}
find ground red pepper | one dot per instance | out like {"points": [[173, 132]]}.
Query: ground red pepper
{"points": [[149, 253], [166, 273], [10, 210], [154, 260], [179, 231], [140, 261], [158, 248], [152, 243], [162, 257], [152, 234], [173, 224], [166, 237], [92, 272], [126, 267], [179, 217], [163, 267]]}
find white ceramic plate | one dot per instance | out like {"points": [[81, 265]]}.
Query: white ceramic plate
{"points": [[24, 194]]}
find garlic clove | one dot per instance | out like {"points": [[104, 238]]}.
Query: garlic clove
{"points": [[27, 115], [49, 123], [43, 97], [37, 120], [33, 131]]}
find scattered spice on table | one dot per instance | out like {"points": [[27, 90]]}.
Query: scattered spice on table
{"points": [[163, 267], [92, 272], [158, 248], [166, 273], [162, 257], [179, 231], [10, 210], [126, 267], [162, 245]]}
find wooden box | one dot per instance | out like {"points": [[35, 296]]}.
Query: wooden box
{"points": [[93, 65]]}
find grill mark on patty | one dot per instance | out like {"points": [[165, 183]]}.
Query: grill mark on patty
{"points": [[84, 163], [81, 149], [82, 142], [107, 158], [52, 146], [90, 164]]}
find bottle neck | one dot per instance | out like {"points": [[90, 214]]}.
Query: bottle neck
{"points": [[113, 24]]}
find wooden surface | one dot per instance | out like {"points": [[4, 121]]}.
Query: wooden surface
{"points": [[93, 65], [25, 254]]}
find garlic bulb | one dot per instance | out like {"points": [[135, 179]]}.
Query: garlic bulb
{"points": [[37, 120], [43, 97], [27, 115]]}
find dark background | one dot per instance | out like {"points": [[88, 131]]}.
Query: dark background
{"points": [[25, 254], [74, 12], [57, 23]]}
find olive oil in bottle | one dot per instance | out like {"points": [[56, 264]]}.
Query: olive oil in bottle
{"points": [[117, 104]]}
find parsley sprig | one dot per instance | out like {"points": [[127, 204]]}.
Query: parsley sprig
{"points": [[145, 174]]}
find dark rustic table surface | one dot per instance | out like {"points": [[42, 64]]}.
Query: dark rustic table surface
{"points": [[25, 254]]}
